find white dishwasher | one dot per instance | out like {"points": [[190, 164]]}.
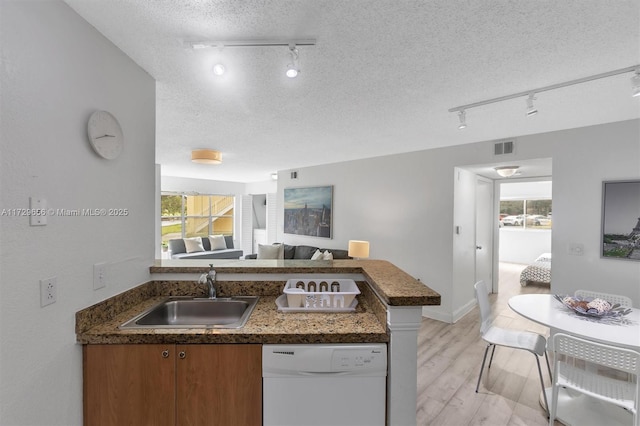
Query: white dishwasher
{"points": [[324, 385]]}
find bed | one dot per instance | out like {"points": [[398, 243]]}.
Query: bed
{"points": [[538, 272]]}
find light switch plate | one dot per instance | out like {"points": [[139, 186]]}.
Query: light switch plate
{"points": [[38, 210], [99, 275]]}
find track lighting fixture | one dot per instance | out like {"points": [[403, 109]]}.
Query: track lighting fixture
{"points": [[292, 67], [635, 81], [531, 110], [463, 120]]}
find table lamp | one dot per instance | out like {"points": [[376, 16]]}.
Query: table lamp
{"points": [[358, 249]]}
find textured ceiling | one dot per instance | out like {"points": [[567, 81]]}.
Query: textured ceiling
{"points": [[380, 79]]}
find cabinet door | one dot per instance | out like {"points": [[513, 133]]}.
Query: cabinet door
{"points": [[129, 384], [219, 385]]}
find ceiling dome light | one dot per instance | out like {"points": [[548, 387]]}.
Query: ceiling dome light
{"points": [[507, 171], [635, 82], [219, 69], [206, 156], [463, 120], [531, 110]]}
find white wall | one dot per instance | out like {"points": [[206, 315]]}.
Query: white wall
{"points": [[523, 245], [404, 205], [582, 159], [201, 186], [530, 190], [56, 71]]}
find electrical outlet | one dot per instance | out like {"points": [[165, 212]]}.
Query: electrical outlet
{"points": [[99, 275], [48, 291]]}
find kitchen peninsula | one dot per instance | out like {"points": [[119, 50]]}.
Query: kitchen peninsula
{"points": [[388, 311]]}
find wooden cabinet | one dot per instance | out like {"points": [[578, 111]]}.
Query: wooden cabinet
{"points": [[172, 384]]}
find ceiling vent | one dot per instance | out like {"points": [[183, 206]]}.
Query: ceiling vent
{"points": [[504, 148]]}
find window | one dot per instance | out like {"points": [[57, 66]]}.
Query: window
{"points": [[532, 214], [184, 216]]}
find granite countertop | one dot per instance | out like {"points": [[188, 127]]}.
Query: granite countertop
{"points": [[392, 284], [99, 324]]}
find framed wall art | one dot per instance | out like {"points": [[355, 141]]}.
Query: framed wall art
{"points": [[621, 219], [309, 211]]}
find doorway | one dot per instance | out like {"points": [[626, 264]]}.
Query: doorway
{"points": [[525, 234]]}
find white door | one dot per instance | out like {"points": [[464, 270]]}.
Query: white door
{"points": [[484, 231]]}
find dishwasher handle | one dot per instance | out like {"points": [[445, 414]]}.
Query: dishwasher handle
{"points": [[283, 374], [323, 373]]}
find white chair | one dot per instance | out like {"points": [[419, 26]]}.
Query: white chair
{"points": [[623, 393], [516, 339], [623, 301]]}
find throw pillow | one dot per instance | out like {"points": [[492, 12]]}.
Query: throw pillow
{"points": [[217, 242], [193, 244], [270, 252], [327, 255], [317, 255]]}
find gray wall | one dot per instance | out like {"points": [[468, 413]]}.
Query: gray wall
{"points": [[56, 71]]}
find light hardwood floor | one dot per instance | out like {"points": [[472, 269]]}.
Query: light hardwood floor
{"points": [[449, 358]]}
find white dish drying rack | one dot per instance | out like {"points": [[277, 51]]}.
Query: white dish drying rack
{"points": [[319, 295]]}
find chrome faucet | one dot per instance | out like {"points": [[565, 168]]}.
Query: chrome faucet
{"points": [[211, 281]]}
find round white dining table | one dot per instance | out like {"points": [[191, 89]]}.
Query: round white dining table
{"points": [[545, 309], [576, 408]]}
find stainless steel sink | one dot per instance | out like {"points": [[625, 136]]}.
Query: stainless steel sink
{"points": [[189, 312]]}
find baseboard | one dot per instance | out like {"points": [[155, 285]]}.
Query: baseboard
{"points": [[464, 310], [435, 314], [432, 313]]}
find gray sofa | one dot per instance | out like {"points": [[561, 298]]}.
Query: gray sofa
{"points": [[179, 251], [303, 252]]}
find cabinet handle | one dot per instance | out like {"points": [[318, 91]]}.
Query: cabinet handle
{"points": [[182, 355], [165, 354]]}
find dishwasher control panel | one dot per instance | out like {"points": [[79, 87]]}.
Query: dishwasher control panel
{"points": [[342, 359], [354, 358]]}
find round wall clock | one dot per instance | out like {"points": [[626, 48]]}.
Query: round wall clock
{"points": [[105, 135]]}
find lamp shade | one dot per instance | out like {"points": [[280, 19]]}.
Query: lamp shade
{"points": [[206, 156], [359, 249]]}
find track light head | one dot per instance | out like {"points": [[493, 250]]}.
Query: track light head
{"points": [[462, 115], [635, 83], [292, 68], [531, 110], [291, 72]]}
